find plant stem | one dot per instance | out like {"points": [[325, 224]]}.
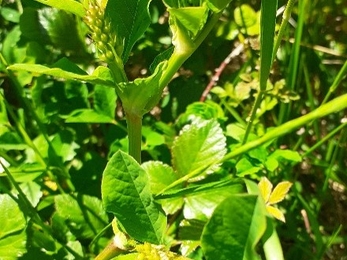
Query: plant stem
{"points": [[333, 106], [109, 252], [286, 15], [134, 123]]}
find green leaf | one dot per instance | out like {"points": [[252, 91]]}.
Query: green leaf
{"points": [[86, 115], [126, 193], [105, 101], [83, 214], [200, 205], [217, 5], [142, 94], [192, 18], [199, 144], [61, 28], [69, 70], [12, 234], [71, 6], [235, 228], [10, 14], [129, 19], [160, 176]]}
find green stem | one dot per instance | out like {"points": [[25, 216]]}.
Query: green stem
{"points": [[333, 106], [285, 19], [109, 252], [134, 123], [181, 54], [342, 73]]}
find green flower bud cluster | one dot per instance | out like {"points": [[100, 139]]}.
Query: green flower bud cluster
{"points": [[105, 38]]}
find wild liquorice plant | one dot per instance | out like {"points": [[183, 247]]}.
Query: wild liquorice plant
{"points": [[142, 197]]}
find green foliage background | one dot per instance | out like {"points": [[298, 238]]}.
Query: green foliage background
{"points": [[58, 136]]}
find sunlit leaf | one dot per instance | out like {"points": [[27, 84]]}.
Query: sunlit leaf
{"points": [[68, 70], [279, 192], [72, 6], [199, 144], [126, 193]]}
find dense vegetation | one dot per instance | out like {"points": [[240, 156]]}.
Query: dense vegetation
{"points": [[173, 129]]}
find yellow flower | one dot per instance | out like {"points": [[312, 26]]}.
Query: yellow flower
{"points": [[273, 196]]}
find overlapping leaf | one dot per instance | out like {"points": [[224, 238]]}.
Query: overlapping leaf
{"points": [[234, 229], [126, 193], [68, 70], [199, 145]]}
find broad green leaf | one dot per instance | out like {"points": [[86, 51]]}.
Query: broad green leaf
{"points": [[205, 110], [126, 193], [192, 18], [105, 100], [10, 14], [245, 16], [279, 192], [87, 116], [12, 234], [61, 28], [32, 191], [9, 45], [160, 176], [72, 6], [83, 214], [234, 229], [217, 5], [244, 167], [64, 145], [200, 205], [289, 155], [129, 19], [199, 144], [68, 70]]}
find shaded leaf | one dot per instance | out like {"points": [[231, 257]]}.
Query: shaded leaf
{"points": [[83, 214], [105, 100], [126, 193], [129, 19], [234, 229]]}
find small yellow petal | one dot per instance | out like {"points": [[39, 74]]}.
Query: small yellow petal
{"points": [[279, 192], [265, 188], [275, 212]]}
